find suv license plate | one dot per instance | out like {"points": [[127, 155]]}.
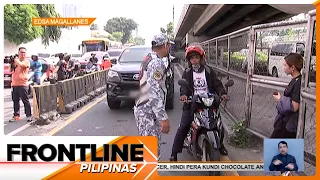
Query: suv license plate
{"points": [[133, 94]]}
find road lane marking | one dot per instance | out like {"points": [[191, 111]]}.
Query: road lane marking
{"points": [[12, 133], [75, 116]]}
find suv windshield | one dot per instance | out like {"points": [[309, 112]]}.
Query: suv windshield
{"points": [[134, 54], [114, 53]]}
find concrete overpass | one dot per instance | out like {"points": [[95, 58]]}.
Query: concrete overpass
{"points": [[200, 22]]}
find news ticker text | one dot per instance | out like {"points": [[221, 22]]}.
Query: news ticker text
{"points": [[132, 168]]}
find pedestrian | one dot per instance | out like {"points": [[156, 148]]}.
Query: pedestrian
{"points": [[36, 67], [19, 84], [149, 110], [286, 121], [70, 66]]}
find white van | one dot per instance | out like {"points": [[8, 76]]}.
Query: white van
{"points": [[279, 51]]}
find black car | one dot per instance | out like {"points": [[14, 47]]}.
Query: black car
{"points": [[123, 77]]}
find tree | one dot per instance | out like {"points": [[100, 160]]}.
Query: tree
{"points": [[137, 40], [17, 23], [168, 31], [50, 33], [121, 24], [18, 27], [94, 26], [117, 36]]}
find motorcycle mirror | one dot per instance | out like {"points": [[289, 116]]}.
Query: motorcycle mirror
{"points": [[183, 82], [229, 83]]}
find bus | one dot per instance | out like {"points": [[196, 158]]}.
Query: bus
{"points": [[94, 44], [98, 44]]}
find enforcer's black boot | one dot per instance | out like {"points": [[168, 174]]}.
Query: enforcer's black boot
{"points": [[223, 151], [173, 157]]}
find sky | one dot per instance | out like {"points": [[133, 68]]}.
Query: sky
{"points": [[149, 18]]}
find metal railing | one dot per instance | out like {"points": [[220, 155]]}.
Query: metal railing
{"points": [[253, 58]]}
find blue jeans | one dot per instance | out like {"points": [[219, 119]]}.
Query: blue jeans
{"points": [[37, 78]]}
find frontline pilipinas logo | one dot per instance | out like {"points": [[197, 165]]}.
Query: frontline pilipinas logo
{"points": [[126, 157]]}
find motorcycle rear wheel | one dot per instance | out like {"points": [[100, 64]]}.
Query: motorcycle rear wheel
{"points": [[210, 154]]}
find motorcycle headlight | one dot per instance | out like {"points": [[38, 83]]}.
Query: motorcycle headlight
{"points": [[207, 101]]}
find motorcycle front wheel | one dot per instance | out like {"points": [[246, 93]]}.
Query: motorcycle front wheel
{"points": [[210, 154]]}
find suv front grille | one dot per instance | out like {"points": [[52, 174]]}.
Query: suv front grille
{"points": [[129, 76]]}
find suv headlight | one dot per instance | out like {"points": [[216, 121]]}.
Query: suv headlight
{"points": [[113, 76], [207, 101]]}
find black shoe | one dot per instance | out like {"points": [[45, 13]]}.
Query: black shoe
{"points": [[223, 151], [173, 157]]}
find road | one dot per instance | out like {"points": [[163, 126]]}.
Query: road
{"points": [[96, 119], [11, 128]]}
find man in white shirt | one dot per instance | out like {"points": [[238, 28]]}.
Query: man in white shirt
{"points": [[201, 79]]}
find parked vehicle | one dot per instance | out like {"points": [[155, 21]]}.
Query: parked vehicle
{"points": [[280, 50]]}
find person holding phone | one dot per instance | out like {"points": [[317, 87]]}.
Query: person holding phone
{"points": [[286, 121]]}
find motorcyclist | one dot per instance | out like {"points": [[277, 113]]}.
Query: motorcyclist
{"points": [[201, 79], [61, 68], [36, 67], [94, 61], [70, 66]]}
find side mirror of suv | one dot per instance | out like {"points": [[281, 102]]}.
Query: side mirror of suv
{"points": [[113, 61]]}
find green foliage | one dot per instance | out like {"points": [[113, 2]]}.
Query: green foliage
{"points": [[137, 40], [50, 33], [123, 25], [168, 30], [240, 137], [18, 27], [94, 26], [17, 23], [111, 38], [239, 57], [117, 36]]}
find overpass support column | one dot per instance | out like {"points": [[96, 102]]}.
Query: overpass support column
{"points": [[190, 38]]}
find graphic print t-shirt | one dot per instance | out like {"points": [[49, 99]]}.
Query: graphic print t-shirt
{"points": [[200, 83]]}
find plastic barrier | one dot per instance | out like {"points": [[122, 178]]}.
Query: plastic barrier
{"points": [[89, 85], [67, 96], [45, 103], [98, 83], [80, 87], [104, 80]]}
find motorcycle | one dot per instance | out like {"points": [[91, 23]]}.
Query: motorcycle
{"points": [[90, 68], [203, 138]]}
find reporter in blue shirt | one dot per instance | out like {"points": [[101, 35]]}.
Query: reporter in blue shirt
{"points": [[36, 67], [283, 161]]}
